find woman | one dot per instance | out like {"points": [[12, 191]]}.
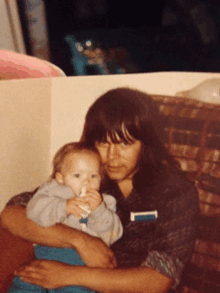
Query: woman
{"points": [[123, 126]]}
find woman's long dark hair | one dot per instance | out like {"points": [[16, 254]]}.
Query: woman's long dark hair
{"points": [[134, 111]]}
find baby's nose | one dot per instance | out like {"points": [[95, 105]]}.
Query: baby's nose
{"points": [[86, 182]]}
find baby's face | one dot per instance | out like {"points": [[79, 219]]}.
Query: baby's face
{"points": [[80, 170]]}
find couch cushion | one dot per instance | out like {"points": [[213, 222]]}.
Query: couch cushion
{"points": [[193, 138]]}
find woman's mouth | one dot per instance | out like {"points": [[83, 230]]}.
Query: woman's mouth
{"points": [[113, 169]]}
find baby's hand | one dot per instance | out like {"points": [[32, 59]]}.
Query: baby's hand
{"points": [[94, 198], [73, 206]]}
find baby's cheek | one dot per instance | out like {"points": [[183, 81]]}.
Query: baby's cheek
{"points": [[95, 185]]}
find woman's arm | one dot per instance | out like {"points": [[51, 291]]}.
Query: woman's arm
{"points": [[133, 280], [51, 274], [14, 219], [92, 250]]}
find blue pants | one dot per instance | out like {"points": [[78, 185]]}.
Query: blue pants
{"points": [[65, 255]]}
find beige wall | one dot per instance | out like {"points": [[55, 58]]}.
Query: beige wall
{"points": [[25, 107], [39, 116]]}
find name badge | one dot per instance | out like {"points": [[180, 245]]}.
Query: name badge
{"points": [[143, 216]]}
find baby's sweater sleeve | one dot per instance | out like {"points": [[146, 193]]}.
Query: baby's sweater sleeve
{"points": [[48, 206], [105, 221]]}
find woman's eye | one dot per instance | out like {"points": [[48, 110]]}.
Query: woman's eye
{"points": [[76, 175], [124, 143], [102, 144]]}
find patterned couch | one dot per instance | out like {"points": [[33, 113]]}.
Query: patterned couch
{"points": [[193, 137]]}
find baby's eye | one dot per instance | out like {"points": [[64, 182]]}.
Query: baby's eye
{"points": [[76, 175], [94, 176]]}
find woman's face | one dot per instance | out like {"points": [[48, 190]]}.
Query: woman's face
{"points": [[120, 159]]}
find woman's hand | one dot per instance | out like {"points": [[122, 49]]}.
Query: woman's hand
{"points": [[94, 252], [47, 273]]}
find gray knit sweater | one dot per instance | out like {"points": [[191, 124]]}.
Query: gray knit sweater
{"points": [[48, 207]]}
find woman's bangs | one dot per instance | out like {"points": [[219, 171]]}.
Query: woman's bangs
{"points": [[118, 132]]}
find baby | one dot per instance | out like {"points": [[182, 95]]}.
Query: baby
{"points": [[72, 197]]}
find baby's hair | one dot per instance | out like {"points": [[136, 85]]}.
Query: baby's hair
{"points": [[69, 148]]}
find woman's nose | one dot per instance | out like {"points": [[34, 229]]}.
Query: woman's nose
{"points": [[113, 151]]}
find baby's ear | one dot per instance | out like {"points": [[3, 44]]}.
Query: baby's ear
{"points": [[59, 178]]}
